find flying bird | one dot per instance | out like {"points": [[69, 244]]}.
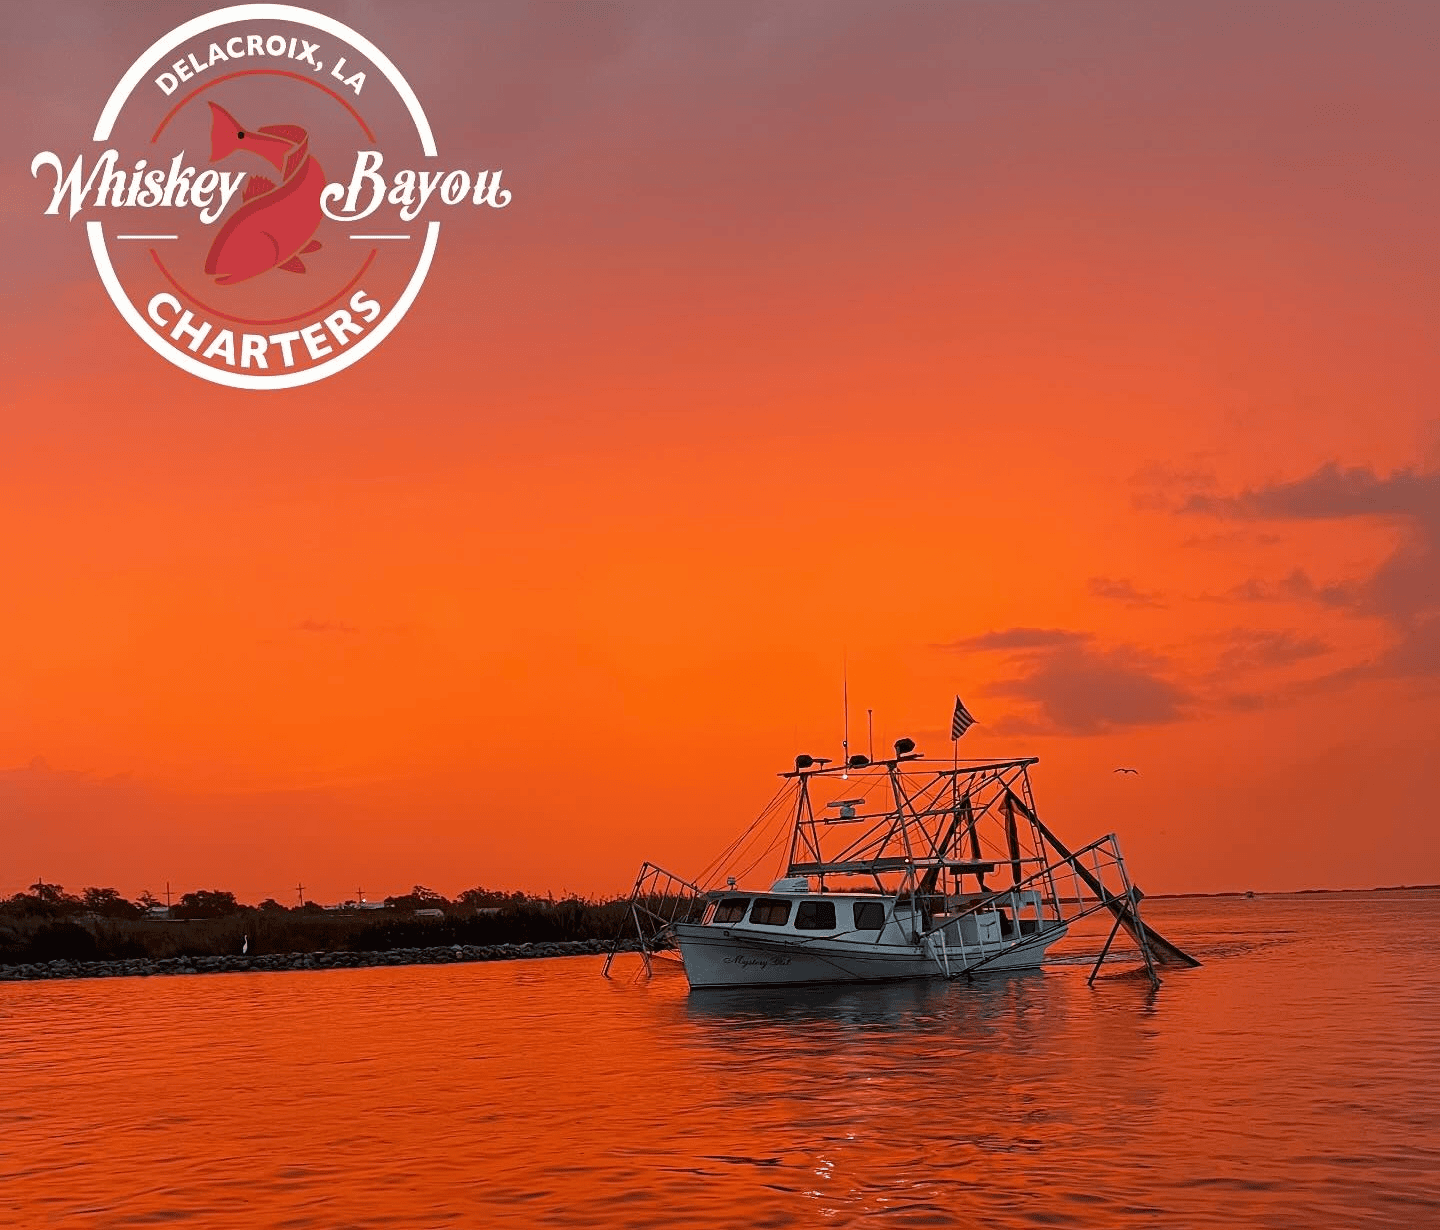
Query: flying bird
{"points": [[1134, 771]]}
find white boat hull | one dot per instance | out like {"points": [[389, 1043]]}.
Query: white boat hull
{"points": [[736, 956]]}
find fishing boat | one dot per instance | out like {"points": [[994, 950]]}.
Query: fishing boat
{"points": [[891, 869]]}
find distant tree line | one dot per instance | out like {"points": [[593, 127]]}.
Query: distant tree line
{"points": [[43, 900], [47, 923]]}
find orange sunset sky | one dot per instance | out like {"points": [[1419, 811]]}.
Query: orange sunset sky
{"points": [[1077, 359]]}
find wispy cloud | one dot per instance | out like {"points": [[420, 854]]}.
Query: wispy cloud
{"points": [[1230, 538], [324, 626], [1250, 649], [1403, 589], [1018, 638], [1295, 586], [1329, 493], [1165, 485], [1071, 686], [1123, 590]]}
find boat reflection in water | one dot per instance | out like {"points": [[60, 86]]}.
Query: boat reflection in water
{"points": [[890, 875], [909, 1004]]}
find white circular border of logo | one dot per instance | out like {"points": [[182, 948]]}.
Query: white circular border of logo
{"points": [[101, 254]]}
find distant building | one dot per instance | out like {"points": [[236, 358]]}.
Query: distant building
{"points": [[430, 915], [158, 911]]}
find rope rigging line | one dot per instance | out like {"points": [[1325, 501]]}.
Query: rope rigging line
{"points": [[736, 849]]}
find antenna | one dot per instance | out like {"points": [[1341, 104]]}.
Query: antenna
{"points": [[870, 716], [845, 699]]}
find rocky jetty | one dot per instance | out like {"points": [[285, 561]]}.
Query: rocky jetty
{"points": [[143, 967]]}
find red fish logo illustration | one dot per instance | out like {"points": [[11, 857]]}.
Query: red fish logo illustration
{"points": [[275, 223]]}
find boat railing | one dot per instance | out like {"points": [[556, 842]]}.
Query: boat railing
{"points": [[658, 900], [1096, 880]]}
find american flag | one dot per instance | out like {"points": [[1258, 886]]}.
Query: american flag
{"points": [[961, 721]]}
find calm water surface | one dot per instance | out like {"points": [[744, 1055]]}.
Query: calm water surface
{"points": [[1294, 1080]]}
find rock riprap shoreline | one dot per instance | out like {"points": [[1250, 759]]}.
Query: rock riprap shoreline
{"points": [[454, 954]]}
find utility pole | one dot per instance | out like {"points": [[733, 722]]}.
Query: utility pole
{"points": [[167, 894], [300, 894]]}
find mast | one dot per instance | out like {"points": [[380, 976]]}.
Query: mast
{"points": [[955, 804], [802, 800], [904, 827]]}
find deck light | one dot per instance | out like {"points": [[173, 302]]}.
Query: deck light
{"points": [[903, 747]]}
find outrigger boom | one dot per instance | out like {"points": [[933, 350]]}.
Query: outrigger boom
{"points": [[885, 877]]}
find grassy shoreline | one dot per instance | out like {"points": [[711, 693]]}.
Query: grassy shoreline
{"points": [[38, 939]]}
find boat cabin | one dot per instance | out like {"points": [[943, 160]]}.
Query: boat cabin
{"points": [[796, 912], [828, 913]]}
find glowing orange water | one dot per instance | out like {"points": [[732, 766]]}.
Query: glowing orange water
{"points": [[1290, 1081]]}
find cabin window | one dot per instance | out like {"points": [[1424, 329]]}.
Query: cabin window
{"points": [[770, 912], [731, 909], [869, 915], [815, 916]]}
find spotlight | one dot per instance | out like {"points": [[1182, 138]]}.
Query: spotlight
{"points": [[803, 761]]}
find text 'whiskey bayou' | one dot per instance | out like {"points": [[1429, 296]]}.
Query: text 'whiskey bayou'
{"points": [[215, 214]]}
